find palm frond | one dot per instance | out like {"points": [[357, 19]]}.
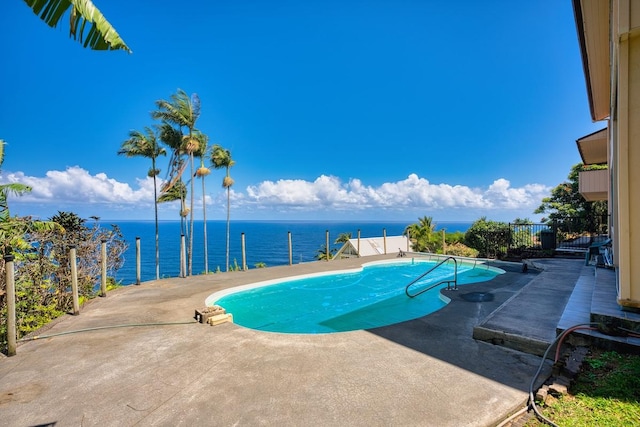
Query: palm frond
{"points": [[170, 193], [181, 110], [15, 188], [203, 141], [100, 36], [143, 144], [221, 157]]}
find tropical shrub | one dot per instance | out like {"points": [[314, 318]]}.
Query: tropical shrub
{"points": [[490, 238], [453, 238], [422, 235], [42, 270], [323, 255], [459, 249]]}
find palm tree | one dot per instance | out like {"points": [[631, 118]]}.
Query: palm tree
{"points": [[13, 231], [173, 188], [201, 173], [342, 238], [420, 234], [221, 158], [171, 193], [324, 254], [145, 144], [6, 189], [183, 111], [100, 36]]}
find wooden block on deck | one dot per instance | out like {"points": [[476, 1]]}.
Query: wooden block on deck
{"points": [[220, 318]]}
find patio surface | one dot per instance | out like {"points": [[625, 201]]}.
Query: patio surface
{"points": [[425, 372]]}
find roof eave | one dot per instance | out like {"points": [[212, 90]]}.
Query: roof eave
{"points": [[592, 25]]}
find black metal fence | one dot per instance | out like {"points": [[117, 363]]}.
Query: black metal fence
{"points": [[571, 236], [515, 240]]}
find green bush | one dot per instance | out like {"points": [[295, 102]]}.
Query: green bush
{"points": [[490, 238], [459, 249], [42, 270]]}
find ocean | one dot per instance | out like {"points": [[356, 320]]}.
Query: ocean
{"points": [[266, 242]]}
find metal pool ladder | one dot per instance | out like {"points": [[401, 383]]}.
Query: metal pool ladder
{"points": [[448, 282]]}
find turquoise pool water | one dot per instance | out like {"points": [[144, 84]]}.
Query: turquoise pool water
{"points": [[346, 300]]}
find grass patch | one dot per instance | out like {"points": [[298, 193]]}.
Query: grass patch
{"points": [[605, 393]]}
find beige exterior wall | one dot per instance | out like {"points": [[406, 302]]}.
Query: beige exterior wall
{"points": [[625, 148]]}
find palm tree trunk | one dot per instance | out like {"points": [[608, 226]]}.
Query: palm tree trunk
{"points": [[191, 220], [183, 233], [228, 224], [155, 206], [204, 233]]}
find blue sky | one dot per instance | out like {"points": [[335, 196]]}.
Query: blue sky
{"points": [[357, 110]]}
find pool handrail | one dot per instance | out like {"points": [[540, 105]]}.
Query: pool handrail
{"points": [[448, 282]]}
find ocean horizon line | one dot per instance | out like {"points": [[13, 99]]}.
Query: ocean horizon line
{"points": [[307, 221]]}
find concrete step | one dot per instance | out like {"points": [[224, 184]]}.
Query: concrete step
{"points": [[527, 322], [593, 300]]}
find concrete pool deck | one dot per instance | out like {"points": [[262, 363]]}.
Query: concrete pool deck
{"points": [[425, 372]]}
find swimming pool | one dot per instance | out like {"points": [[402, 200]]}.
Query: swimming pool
{"points": [[340, 301]]}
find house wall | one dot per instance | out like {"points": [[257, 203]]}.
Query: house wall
{"points": [[594, 184], [625, 147]]}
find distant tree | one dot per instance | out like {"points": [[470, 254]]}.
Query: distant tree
{"points": [[176, 192], [173, 138], [342, 238], [323, 254], [99, 36], [522, 233], [455, 237], [202, 172], [6, 189], [14, 232], [183, 110], [569, 210], [174, 188], [422, 236], [145, 144], [221, 158], [73, 225]]}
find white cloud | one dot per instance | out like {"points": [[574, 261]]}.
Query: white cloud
{"points": [[412, 192], [76, 185], [327, 195]]}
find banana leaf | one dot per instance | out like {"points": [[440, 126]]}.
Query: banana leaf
{"points": [[99, 35]]}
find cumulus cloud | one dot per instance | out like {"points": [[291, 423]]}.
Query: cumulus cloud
{"points": [[412, 192], [76, 185], [329, 194]]}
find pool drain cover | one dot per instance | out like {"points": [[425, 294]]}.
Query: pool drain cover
{"points": [[477, 296]]}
